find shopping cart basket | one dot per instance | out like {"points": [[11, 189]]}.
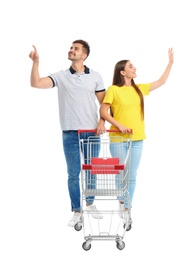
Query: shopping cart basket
{"points": [[105, 178]]}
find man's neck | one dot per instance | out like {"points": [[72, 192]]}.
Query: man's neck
{"points": [[78, 67]]}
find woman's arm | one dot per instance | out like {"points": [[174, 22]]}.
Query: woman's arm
{"points": [[106, 115], [163, 78]]}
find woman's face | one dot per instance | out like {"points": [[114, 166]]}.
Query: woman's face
{"points": [[129, 70]]}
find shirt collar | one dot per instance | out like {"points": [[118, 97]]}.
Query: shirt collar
{"points": [[86, 70]]}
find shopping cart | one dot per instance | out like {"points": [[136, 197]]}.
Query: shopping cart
{"points": [[106, 178]]}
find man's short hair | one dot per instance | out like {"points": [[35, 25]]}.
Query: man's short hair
{"points": [[85, 45]]}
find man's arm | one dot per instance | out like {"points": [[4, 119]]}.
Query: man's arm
{"points": [[100, 96], [36, 81], [101, 125]]}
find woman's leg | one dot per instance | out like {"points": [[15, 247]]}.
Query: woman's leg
{"points": [[136, 153]]}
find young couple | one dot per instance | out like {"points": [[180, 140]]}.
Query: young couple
{"points": [[122, 105]]}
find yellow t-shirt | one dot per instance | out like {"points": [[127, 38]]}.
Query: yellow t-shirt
{"points": [[126, 109]]}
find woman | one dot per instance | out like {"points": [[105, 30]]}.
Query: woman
{"points": [[123, 108]]}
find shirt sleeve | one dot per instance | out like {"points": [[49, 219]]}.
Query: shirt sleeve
{"points": [[109, 96], [99, 83], [145, 88]]}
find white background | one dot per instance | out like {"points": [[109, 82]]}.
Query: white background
{"points": [[34, 201]]}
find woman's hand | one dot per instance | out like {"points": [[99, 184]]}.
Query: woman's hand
{"points": [[124, 129]]}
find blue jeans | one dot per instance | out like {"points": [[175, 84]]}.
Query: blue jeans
{"points": [[71, 148], [135, 157]]}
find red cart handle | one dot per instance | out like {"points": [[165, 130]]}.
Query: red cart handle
{"points": [[94, 131]]}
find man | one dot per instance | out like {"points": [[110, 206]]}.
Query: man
{"points": [[78, 88]]}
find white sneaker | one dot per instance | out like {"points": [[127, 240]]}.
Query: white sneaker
{"points": [[75, 219], [127, 217], [121, 209], [94, 212]]}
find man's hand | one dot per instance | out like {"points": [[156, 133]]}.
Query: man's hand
{"points": [[101, 127], [34, 55]]}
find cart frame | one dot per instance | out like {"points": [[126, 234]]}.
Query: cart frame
{"points": [[104, 178]]}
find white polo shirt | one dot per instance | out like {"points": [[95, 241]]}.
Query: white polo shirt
{"points": [[77, 99]]}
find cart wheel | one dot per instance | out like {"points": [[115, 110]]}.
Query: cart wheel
{"points": [[78, 226], [128, 227], [86, 246], [120, 245]]}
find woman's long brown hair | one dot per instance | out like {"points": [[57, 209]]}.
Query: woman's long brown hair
{"points": [[118, 80]]}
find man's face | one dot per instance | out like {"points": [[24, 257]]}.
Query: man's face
{"points": [[76, 52]]}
